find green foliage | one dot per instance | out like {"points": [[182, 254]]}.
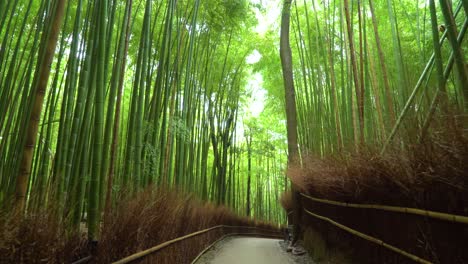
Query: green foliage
{"points": [[323, 72], [141, 93]]}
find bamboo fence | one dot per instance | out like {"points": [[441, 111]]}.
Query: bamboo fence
{"points": [[430, 214], [149, 251], [370, 238]]}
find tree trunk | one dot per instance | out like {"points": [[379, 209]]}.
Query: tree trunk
{"points": [[41, 79], [119, 76], [352, 50], [388, 92], [249, 170], [290, 100], [456, 48]]}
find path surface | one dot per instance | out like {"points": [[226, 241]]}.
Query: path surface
{"points": [[247, 250]]}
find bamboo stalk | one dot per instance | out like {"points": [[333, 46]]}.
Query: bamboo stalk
{"points": [[415, 91], [370, 238], [40, 87], [415, 211]]}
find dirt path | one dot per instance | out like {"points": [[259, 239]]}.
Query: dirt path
{"points": [[246, 250]]}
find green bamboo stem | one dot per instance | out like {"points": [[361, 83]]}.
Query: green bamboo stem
{"points": [[40, 86], [413, 94], [456, 48]]}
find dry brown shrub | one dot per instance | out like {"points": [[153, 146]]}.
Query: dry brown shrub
{"points": [[152, 217], [430, 174], [286, 201], [37, 238], [159, 215]]}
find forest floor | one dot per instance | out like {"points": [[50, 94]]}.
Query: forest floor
{"points": [[233, 250]]}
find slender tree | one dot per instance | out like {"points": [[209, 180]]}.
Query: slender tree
{"points": [[290, 100], [41, 79]]}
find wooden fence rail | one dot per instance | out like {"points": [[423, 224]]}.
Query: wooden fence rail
{"points": [[147, 252], [370, 238], [459, 219], [430, 214]]}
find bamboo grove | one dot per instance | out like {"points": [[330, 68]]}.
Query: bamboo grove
{"points": [[375, 73], [101, 99]]}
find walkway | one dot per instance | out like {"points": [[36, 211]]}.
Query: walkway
{"points": [[246, 250]]}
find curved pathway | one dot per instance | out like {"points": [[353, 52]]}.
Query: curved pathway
{"points": [[246, 250]]}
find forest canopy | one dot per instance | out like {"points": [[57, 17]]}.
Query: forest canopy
{"points": [[101, 100]]}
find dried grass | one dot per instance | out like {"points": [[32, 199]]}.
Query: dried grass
{"points": [[286, 201], [430, 175], [152, 217], [159, 215], [38, 238]]}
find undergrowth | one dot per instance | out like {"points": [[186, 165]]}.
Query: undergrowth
{"points": [[286, 201], [151, 218], [431, 174]]}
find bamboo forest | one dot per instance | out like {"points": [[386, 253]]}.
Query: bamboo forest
{"points": [[308, 131]]}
